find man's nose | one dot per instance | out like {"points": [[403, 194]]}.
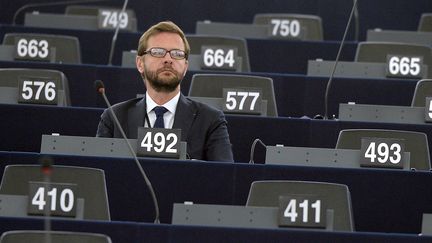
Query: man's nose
{"points": [[167, 58]]}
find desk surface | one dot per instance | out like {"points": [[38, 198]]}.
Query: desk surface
{"points": [[334, 15], [127, 232], [382, 200], [296, 95], [24, 125], [277, 56]]}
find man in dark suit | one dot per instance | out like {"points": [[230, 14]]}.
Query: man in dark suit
{"points": [[162, 61]]}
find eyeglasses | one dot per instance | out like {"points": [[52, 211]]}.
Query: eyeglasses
{"points": [[160, 52]]}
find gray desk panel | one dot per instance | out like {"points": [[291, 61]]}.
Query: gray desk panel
{"points": [[412, 37], [351, 69], [62, 21], [92, 146], [225, 215], [382, 113], [7, 52], [9, 95], [16, 206], [323, 157], [232, 216], [218, 103], [232, 29]]}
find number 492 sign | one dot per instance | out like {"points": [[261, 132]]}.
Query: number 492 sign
{"points": [[158, 142]]}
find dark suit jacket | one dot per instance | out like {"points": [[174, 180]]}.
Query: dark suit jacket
{"points": [[202, 127]]}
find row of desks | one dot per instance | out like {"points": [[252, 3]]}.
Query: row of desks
{"points": [[23, 126], [334, 14], [276, 56], [126, 232], [296, 95], [382, 200]]}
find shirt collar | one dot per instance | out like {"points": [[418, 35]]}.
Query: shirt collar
{"points": [[171, 105]]}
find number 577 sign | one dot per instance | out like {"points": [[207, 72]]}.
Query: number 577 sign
{"points": [[246, 101]]}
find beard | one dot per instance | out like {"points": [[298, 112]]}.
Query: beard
{"points": [[160, 81]]}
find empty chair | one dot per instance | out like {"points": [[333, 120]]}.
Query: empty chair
{"points": [[35, 236], [415, 142], [90, 10], [82, 10], [425, 23], [90, 185], [378, 52], [337, 197], [9, 78], [53, 48], [298, 26], [212, 85], [197, 42], [243, 30], [104, 16], [422, 90]]}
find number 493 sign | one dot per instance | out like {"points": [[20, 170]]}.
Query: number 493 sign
{"points": [[382, 152]]}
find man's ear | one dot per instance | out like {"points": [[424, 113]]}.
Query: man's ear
{"points": [[139, 64], [187, 66]]}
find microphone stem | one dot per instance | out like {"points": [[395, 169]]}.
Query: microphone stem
{"points": [[47, 219], [114, 39], [50, 4], [252, 152], [337, 60], [149, 185]]}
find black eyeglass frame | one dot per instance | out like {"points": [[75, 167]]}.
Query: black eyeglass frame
{"points": [[166, 51]]}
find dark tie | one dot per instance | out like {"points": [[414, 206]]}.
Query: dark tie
{"points": [[160, 111]]}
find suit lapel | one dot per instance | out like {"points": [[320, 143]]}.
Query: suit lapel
{"points": [[185, 115], [136, 118]]}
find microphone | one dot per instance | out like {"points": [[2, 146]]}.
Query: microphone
{"points": [[252, 151], [356, 23], [336, 62], [100, 88], [114, 39], [32, 5], [46, 169]]}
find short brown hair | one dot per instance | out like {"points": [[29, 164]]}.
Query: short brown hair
{"points": [[165, 26]]}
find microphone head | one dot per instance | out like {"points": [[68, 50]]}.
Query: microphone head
{"points": [[100, 87], [46, 163]]}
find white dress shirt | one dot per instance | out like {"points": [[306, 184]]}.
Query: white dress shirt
{"points": [[171, 106]]}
